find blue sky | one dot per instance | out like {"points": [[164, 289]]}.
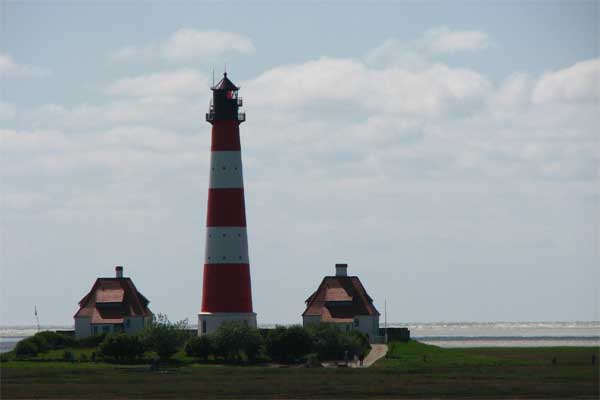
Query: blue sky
{"points": [[448, 152]]}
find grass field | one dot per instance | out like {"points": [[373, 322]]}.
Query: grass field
{"points": [[411, 370]]}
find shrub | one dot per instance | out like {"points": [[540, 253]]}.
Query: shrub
{"points": [[233, 340], [312, 360], [199, 347], [164, 337], [326, 340], [121, 347], [332, 343], [68, 356], [288, 344], [56, 340], [91, 341], [27, 347]]}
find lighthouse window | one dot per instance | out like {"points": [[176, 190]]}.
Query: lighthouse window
{"points": [[224, 234], [224, 257]]}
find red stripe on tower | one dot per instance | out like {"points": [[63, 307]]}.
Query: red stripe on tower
{"points": [[226, 207], [226, 288]]}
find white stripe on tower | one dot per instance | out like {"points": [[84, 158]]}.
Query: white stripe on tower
{"points": [[226, 170], [226, 245]]}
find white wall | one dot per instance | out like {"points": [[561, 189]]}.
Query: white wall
{"points": [[82, 327], [368, 324], [136, 324], [214, 320]]}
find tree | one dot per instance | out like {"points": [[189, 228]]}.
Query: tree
{"points": [[199, 347], [288, 344], [56, 340], [164, 337], [26, 347], [233, 340], [331, 343], [121, 347]]}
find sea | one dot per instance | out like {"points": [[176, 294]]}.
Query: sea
{"points": [[443, 334]]}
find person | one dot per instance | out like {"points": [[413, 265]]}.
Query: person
{"points": [[346, 357], [361, 358], [355, 359]]}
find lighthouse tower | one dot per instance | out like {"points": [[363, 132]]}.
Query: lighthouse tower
{"points": [[226, 292]]}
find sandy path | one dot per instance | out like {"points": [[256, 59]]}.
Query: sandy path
{"points": [[377, 351]]}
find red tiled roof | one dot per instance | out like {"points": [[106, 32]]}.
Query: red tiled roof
{"points": [[110, 292], [340, 299], [112, 299]]}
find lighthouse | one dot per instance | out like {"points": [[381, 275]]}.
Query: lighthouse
{"points": [[226, 288]]}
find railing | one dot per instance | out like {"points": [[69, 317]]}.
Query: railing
{"points": [[240, 103], [210, 116]]}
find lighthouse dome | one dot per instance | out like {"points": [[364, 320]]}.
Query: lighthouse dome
{"points": [[225, 84]]}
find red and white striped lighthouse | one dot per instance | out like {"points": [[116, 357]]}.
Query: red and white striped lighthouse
{"points": [[226, 290]]}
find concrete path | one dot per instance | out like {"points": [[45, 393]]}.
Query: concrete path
{"points": [[377, 351]]}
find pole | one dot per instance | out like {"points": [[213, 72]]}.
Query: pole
{"points": [[385, 329], [37, 320]]}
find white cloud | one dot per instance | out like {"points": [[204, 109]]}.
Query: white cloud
{"points": [[131, 148], [419, 52], [179, 82], [329, 81], [580, 82], [7, 110], [512, 95], [10, 68], [186, 44], [133, 54], [444, 40]]}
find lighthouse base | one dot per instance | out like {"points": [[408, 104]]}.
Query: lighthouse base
{"points": [[210, 322]]}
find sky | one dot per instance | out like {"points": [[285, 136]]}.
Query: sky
{"points": [[447, 151]]}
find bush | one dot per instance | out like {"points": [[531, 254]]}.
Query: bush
{"points": [[332, 343], [68, 356], [56, 340], [27, 347], [312, 360], [121, 347], [91, 341], [164, 337], [199, 347], [288, 344], [234, 340]]}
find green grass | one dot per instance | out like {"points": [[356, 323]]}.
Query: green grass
{"points": [[475, 373], [413, 354]]}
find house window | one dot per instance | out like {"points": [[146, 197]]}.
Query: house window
{"points": [[106, 329], [203, 326], [128, 323], [356, 322], [95, 330]]}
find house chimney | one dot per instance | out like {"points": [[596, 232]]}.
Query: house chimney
{"points": [[119, 271], [341, 269]]}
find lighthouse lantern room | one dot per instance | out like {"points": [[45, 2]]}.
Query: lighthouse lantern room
{"points": [[226, 289]]}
